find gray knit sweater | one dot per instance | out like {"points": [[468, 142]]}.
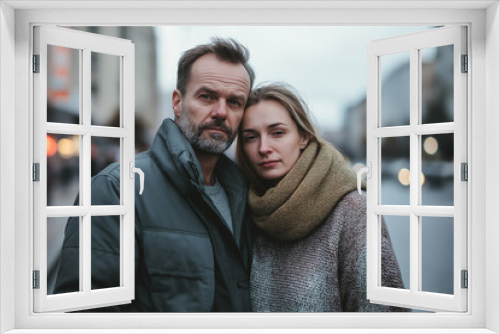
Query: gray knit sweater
{"points": [[323, 272]]}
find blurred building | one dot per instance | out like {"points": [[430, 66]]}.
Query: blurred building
{"points": [[437, 105], [105, 82]]}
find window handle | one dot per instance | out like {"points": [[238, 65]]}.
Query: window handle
{"points": [[141, 176], [362, 171]]}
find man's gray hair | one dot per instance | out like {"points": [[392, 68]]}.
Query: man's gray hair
{"points": [[224, 49]]}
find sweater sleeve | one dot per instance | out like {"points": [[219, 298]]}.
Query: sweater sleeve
{"points": [[351, 213]]}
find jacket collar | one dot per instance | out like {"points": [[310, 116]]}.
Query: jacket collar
{"points": [[175, 157]]}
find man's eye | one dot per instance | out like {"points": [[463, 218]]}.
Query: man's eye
{"points": [[234, 103], [205, 96]]}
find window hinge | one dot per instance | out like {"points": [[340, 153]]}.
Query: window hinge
{"points": [[36, 63], [36, 279], [465, 64], [465, 279], [36, 172], [464, 171]]}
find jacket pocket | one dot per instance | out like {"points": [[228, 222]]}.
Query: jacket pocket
{"points": [[181, 270]]}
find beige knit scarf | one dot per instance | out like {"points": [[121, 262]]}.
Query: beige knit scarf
{"points": [[303, 199]]}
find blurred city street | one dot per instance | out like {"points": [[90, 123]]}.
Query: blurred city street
{"points": [[326, 64]]}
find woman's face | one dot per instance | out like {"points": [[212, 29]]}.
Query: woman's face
{"points": [[271, 140]]}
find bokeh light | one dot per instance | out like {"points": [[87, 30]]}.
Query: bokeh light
{"points": [[404, 177], [76, 144], [66, 148], [51, 146], [430, 145]]}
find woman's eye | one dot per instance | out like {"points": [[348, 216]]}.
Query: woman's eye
{"points": [[278, 133], [249, 138]]}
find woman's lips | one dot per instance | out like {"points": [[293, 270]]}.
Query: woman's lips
{"points": [[269, 163]]}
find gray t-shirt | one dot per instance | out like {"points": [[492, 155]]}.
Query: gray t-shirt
{"points": [[221, 202]]}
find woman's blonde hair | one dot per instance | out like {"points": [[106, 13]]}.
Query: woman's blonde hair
{"points": [[287, 96]]}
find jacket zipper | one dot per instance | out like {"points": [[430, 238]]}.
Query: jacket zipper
{"points": [[221, 221]]}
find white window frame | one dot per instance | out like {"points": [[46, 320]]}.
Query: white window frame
{"points": [[16, 21], [413, 296], [85, 43]]}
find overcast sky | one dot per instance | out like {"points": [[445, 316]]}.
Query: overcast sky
{"points": [[326, 64]]}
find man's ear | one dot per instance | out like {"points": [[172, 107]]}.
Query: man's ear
{"points": [[176, 102]]}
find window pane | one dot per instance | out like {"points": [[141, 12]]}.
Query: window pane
{"points": [[437, 170], [63, 169], [67, 278], [437, 254], [395, 171], [105, 89], [104, 151], [105, 252], [399, 233], [437, 84], [395, 91], [63, 85]]}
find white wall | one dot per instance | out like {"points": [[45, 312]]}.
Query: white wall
{"points": [[492, 153], [7, 163]]}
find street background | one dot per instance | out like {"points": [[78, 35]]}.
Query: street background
{"points": [[327, 65]]}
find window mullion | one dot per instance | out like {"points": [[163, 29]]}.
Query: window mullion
{"points": [[86, 138], [85, 226], [434, 129], [415, 231], [85, 253]]}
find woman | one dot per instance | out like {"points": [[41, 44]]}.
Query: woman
{"points": [[310, 250]]}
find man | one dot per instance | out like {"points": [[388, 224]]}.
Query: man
{"points": [[192, 242]]}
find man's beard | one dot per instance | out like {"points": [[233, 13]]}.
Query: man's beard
{"points": [[216, 144]]}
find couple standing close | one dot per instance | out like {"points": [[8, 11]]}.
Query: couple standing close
{"points": [[294, 239]]}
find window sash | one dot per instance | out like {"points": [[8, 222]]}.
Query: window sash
{"points": [[85, 43], [413, 297]]}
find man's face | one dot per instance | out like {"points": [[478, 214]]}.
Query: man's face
{"points": [[211, 110]]}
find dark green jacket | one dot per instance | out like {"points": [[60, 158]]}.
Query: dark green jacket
{"points": [[185, 256]]}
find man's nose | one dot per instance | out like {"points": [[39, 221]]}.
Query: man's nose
{"points": [[219, 110]]}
